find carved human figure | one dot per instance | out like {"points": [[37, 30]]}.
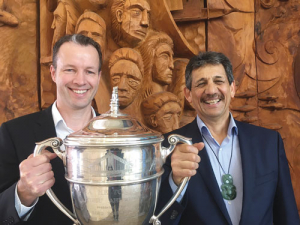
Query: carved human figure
{"points": [[126, 70], [177, 88], [161, 111], [92, 25], [64, 19], [130, 21], [178, 79], [157, 54], [6, 18]]}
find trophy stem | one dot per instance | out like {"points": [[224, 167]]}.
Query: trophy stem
{"points": [[114, 102]]}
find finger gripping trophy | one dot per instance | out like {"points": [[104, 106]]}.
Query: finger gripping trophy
{"points": [[113, 167]]}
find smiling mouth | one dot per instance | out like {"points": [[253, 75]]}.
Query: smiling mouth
{"points": [[213, 101], [79, 91]]}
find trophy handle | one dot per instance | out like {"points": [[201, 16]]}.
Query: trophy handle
{"points": [[55, 143], [173, 140]]}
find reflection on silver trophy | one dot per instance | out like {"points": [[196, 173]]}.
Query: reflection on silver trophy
{"points": [[113, 167]]}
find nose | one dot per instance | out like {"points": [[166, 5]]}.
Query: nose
{"points": [[79, 78], [123, 84], [210, 88], [53, 24], [171, 63], [145, 19], [175, 122]]}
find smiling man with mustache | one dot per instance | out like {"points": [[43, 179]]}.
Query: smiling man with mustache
{"points": [[238, 172]]}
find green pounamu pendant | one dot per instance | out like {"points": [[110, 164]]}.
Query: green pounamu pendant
{"points": [[227, 187]]}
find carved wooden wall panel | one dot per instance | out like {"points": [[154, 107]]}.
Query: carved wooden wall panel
{"points": [[118, 40], [277, 40], [260, 37], [18, 58]]}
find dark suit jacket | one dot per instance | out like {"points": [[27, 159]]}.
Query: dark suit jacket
{"points": [[268, 196], [17, 142]]}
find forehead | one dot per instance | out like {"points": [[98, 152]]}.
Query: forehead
{"points": [[70, 52], [142, 4], [162, 48], [125, 67], [171, 107], [60, 9], [71, 46], [90, 25], [92, 22], [208, 71]]}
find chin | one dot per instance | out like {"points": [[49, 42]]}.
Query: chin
{"points": [[123, 105]]}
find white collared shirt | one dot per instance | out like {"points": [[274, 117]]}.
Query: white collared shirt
{"points": [[62, 131]]}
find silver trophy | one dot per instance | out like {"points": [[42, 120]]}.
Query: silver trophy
{"points": [[113, 167]]}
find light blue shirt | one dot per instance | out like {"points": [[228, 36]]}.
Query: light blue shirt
{"points": [[223, 152], [62, 130]]}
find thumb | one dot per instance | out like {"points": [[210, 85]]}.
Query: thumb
{"points": [[50, 155], [199, 145]]}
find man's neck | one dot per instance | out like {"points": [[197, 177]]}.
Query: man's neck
{"points": [[76, 119], [217, 128]]}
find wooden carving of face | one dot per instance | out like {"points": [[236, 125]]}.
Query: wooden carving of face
{"points": [[126, 75], [167, 117], [163, 65], [134, 19], [93, 30]]}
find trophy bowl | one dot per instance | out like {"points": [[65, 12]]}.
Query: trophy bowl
{"points": [[113, 167]]}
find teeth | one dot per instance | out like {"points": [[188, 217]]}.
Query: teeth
{"points": [[80, 91], [212, 101]]}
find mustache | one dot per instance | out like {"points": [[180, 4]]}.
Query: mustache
{"points": [[208, 97]]}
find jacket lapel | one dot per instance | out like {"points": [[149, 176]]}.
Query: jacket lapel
{"points": [[205, 170], [247, 146], [44, 127]]}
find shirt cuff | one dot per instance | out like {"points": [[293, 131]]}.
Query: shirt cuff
{"points": [[22, 210], [174, 188]]}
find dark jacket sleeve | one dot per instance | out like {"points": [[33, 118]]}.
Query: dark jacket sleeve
{"points": [[9, 175], [285, 209]]}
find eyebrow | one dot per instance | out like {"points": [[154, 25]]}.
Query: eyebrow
{"points": [[91, 67], [138, 5], [214, 77], [127, 74]]}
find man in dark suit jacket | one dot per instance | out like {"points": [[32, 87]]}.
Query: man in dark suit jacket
{"points": [[76, 72], [258, 187]]}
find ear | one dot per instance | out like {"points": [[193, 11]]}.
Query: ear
{"points": [[119, 14], [153, 120], [232, 89], [188, 94], [52, 71]]}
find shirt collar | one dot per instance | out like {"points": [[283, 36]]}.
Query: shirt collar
{"points": [[232, 128], [58, 118]]}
